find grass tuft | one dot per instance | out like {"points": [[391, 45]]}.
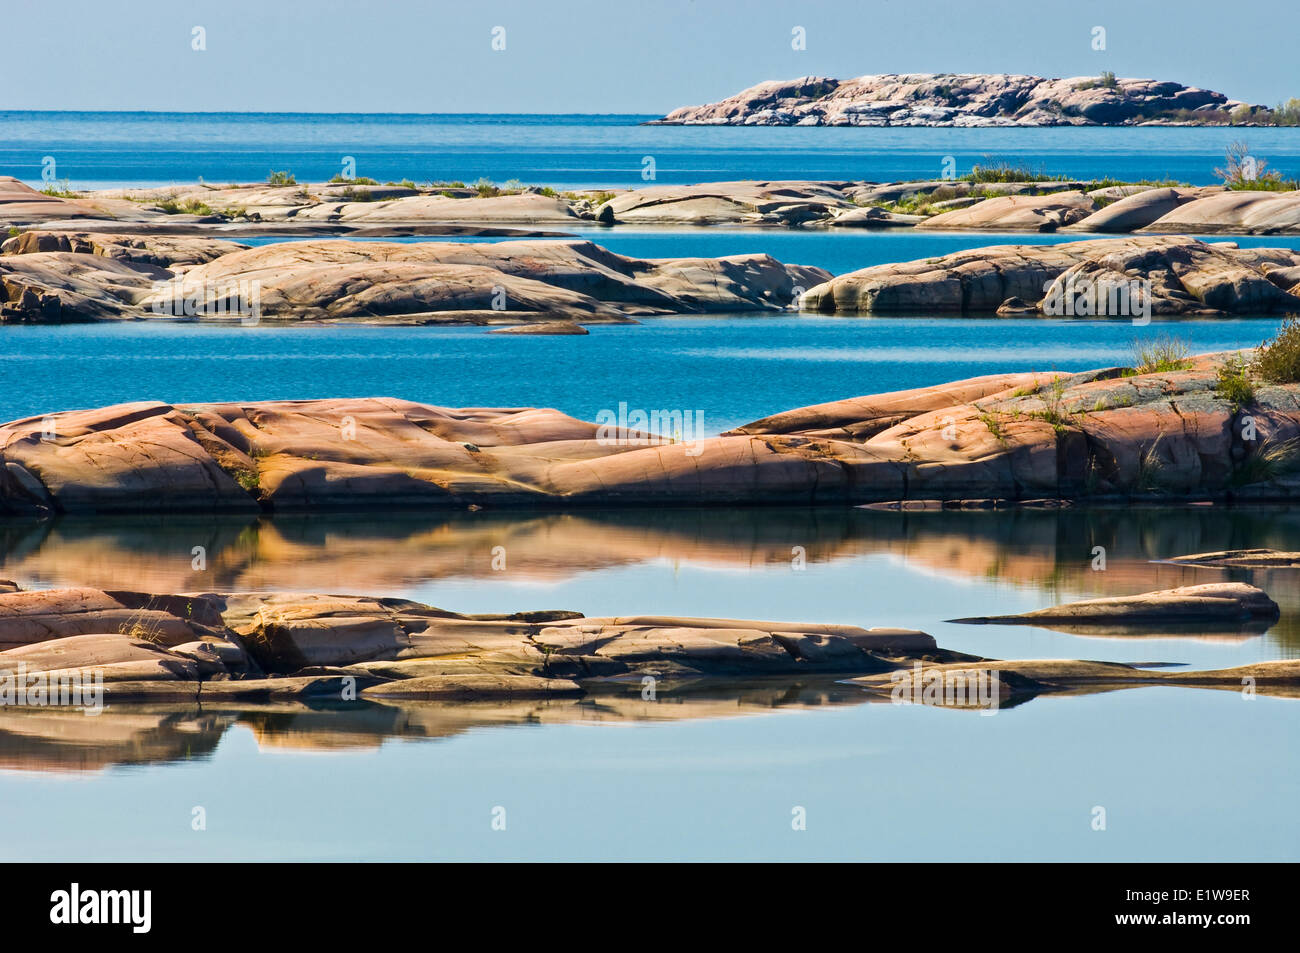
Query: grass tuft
{"points": [[1161, 355]]}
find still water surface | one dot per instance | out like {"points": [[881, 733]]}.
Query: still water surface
{"points": [[1182, 773]]}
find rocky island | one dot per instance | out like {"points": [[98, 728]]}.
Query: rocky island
{"points": [[1174, 428], [262, 647], [82, 276], [967, 99], [1109, 277], [1001, 197]]}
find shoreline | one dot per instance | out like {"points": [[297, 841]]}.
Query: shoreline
{"points": [[1173, 432]]}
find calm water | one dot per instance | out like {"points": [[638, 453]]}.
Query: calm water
{"points": [[95, 149], [734, 369], [1182, 773]]}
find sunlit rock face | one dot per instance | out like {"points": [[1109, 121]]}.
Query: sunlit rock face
{"points": [[956, 99]]}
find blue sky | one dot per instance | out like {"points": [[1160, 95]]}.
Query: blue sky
{"points": [[592, 56]]}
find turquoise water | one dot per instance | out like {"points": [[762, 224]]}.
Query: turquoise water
{"points": [[735, 369], [97, 149]]}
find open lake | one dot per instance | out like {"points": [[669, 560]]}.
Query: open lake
{"points": [[98, 149]]}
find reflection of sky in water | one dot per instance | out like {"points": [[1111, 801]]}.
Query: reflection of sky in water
{"points": [[867, 568], [1183, 775]]}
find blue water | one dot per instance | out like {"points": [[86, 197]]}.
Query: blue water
{"points": [[1171, 767], [1183, 774], [98, 149], [733, 368], [837, 250]]}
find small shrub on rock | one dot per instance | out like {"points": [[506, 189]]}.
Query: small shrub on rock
{"points": [[1278, 359]]}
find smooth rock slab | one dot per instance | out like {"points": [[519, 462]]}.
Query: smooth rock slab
{"points": [[38, 616], [116, 276], [1017, 437], [1216, 602], [1074, 279], [1030, 213], [1242, 558], [551, 328]]}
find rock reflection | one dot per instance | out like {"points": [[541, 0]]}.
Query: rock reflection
{"points": [[125, 734], [1048, 550]]}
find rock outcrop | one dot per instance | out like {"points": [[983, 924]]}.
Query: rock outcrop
{"points": [[958, 99], [1241, 559], [1033, 677], [1111, 433], [107, 276], [1105, 277], [545, 329], [393, 647], [1138, 210], [1231, 213], [1025, 213], [293, 209], [36, 617], [1213, 603], [350, 657], [739, 203], [383, 211]]}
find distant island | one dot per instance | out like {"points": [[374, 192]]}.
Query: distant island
{"points": [[975, 99]]}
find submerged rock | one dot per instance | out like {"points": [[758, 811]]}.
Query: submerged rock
{"points": [[1242, 558], [1017, 680], [545, 328]]}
